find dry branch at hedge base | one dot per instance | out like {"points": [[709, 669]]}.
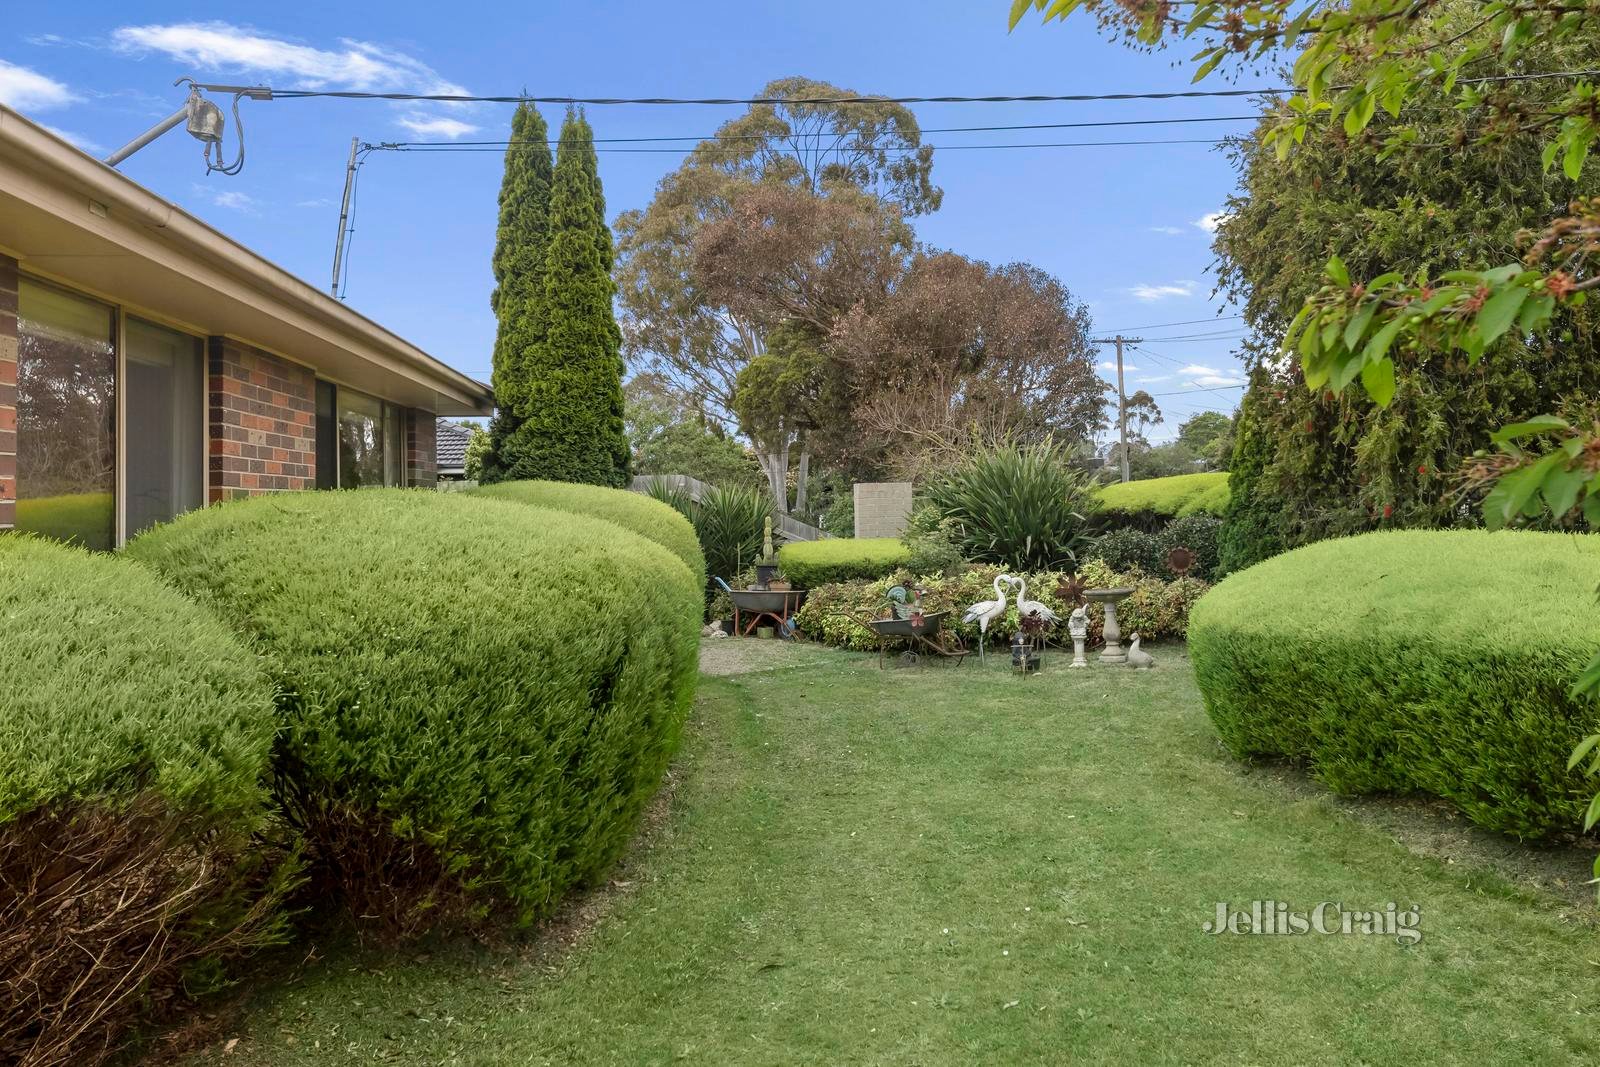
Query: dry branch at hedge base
{"points": [[108, 915], [133, 745], [1435, 662], [475, 723]]}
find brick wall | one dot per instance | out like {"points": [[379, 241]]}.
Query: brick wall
{"points": [[422, 434], [262, 422], [882, 508], [8, 392]]}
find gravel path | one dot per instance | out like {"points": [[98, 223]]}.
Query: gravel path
{"points": [[748, 655]]}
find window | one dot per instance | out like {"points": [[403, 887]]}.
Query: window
{"points": [[66, 410], [165, 389], [360, 439]]}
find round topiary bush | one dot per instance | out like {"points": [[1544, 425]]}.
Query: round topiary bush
{"points": [[1431, 662], [134, 741], [643, 515], [1128, 548], [479, 696]]}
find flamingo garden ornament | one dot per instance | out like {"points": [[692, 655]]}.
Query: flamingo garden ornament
{"points": [[986, 611], [1032, 608]]}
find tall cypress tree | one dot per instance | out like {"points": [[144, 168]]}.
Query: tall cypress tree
{"points": [[521, 248], [573, 429]]}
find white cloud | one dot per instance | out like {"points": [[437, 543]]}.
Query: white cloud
{"points": [[224, 47], [354, 65], [28, 90], [1210, 222], [1171, 231], [1200, 376], [1149, 293], [436, 125], [1111, 368], [232, 199]]}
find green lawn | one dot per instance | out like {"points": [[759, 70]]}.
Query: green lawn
{"points": [[935, 866]]}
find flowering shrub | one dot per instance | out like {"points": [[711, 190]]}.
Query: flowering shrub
{"points": [[832, 614]]}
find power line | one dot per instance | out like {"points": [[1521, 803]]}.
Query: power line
{"points": [[1189, 392], [1190, 338], [446, 149], [551, 141], [1031, 98], [1185, 322]]}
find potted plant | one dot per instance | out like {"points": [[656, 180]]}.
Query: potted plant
{"points": [[767, 565]]}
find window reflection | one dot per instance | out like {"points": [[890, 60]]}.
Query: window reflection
{"points": [[66, 400], [361, 439]]}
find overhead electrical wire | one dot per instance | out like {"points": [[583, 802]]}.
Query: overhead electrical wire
{"points": [[552, 141], [1164, 325], [1223, 335], [1030, 98], [446, 149]]}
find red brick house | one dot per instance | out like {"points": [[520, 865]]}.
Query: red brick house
{"points": [[149, 364]]}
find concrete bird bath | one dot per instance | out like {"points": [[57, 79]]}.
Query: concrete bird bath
{"points": [[1109, 599]]}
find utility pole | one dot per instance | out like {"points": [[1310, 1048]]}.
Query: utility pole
{"points": [[344, 215], [1122, 395]]}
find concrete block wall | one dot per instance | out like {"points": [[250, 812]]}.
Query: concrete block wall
{"points": [[882, 508], [262, 422]]}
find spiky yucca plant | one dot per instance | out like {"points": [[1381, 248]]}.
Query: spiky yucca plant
{"points": [[1020, 506], [731, 522]]}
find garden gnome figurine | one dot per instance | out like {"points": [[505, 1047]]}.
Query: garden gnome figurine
{"points": [[1078, 627], [1137, 657]]}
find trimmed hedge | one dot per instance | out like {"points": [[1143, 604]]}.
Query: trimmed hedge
{"points": [[649, 518], [1125, 548], [1151, 503], [134, 741], [1414, 662], [1198, 533], [480, 696], [809, 564]]}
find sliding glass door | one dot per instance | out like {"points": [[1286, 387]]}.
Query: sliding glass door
{"points": [[164, 393]]}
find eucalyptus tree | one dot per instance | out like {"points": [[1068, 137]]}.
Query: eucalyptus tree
{"points": [[671, 324]]}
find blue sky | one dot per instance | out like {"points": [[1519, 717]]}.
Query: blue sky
{"points": [[1123, 227]]}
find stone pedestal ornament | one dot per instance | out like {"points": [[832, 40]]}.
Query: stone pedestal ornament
{"points": [[1078, 627], [1109, 599]]}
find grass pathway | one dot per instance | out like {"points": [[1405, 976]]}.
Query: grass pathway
{"points": [[935, 866]]}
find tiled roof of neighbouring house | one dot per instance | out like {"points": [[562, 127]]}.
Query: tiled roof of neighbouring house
{"points": [[451, 451]]}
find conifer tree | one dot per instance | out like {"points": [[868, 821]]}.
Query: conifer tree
{"points": [[521, 248], [572, 425]]}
